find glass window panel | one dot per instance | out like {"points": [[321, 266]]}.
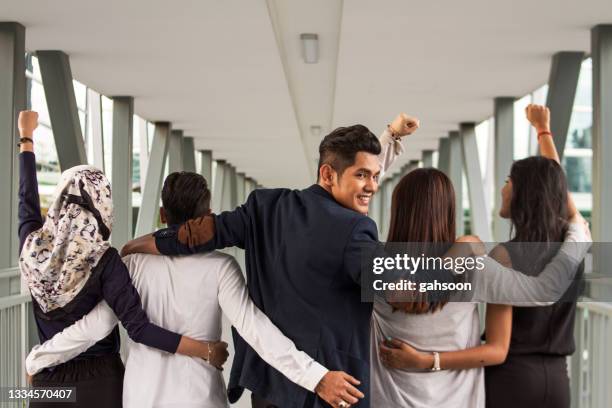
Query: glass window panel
{"points": [[578, 160], [107, 133], [521, 128]]}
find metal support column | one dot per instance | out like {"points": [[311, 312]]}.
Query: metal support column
{"points": [[427, 158], [62, 107], [12, 100], [206, 166], [149, 209], [503, 145], [444, 155], [455, 173], [189, 155], [471, 163], [374, 209], [601, 52], [218, 187], [175, 151], [240, 188], [562, 83], [232, 199], [249, 187], [121, 175], [385, 214], [412, 164]]}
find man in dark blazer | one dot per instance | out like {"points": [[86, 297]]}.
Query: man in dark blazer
{"points": [[303, 266]]}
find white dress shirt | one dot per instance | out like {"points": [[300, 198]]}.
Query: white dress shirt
{"points": [[186, 295]]}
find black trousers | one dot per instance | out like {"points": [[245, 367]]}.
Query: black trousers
{"points": [[528, 381], [98, 382]]}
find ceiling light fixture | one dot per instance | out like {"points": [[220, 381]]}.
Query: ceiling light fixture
{"points": [[310, 47], [315, 130]]}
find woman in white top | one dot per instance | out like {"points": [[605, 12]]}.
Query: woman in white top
{"points": [[423, 211]]}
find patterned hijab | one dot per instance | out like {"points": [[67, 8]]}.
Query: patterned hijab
{"points": [[57, 260]]}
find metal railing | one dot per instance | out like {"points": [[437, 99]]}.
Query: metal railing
{"points": [[14, 341], [591, 364]]}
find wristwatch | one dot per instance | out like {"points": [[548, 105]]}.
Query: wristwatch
{"points": [[436, 365]]}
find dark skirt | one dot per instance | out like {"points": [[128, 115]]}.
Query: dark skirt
{"points": [[528, 381], [98, 382]]}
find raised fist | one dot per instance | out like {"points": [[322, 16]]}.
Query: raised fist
{"points": [[28, 121], [539, 117], [404, 125]]}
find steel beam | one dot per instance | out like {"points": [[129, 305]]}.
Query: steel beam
{"points": [[240, 188], [189, 155], [232, 197], [503, 145], [12, 100], [562, 83], [444, 155], [149, 209], [471, 163], [175, 151], [121, 175], [218, 187], [601, 43], [455, 173], [62, 106], [206, 167], [427, 158], [601, 52]]}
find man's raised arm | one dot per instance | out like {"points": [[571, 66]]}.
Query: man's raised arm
{"points": [[391, 140]]}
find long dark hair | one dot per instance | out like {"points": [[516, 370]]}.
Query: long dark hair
{"points": [[423, 219], [423, 208], [538, 207]]}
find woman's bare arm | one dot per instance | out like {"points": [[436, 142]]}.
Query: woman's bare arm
{"points": [[539, 117]]}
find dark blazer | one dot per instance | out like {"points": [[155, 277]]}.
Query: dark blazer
{"points": [[303, 255]]}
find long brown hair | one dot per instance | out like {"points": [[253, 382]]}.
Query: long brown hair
{"points": [[423, 208], [423, 217]]}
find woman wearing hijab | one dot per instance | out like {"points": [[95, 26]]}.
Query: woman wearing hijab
{"points": [[70, 267]]}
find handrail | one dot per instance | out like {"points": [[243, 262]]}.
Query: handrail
{"points": [[604, 308], [9, 273], [13, 300]]}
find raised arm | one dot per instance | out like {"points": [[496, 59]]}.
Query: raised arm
{"points": [[276, 349], [391, 140], [539, 117], [30, 218]]}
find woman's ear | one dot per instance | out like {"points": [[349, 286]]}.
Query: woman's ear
{"points": [[327, 175], [162, 215]]}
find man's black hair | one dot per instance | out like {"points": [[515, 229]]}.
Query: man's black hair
{"points": [[185, 195], [339, 148]]}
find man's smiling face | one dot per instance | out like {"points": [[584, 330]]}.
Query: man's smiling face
{"points": [[357, 184]]}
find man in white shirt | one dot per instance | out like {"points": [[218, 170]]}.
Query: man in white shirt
{"points": [[179, 295]]}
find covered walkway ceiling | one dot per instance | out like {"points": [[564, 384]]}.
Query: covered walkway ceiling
{"points": [[230, 72]]}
